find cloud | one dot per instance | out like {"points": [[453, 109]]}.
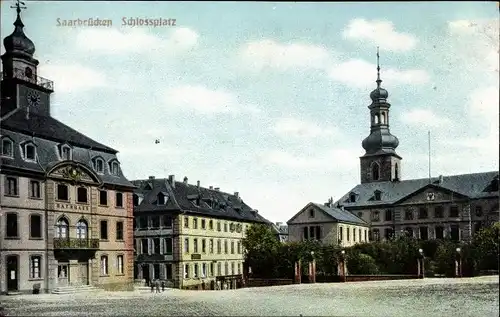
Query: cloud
{"points": [[379, 33], [114, 41], [73, 78], [298, 128], [362, 74], [270, 54], [424, 118], [324, 160], [204, 100]]}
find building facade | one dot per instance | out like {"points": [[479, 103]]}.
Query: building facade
{"points": [[327, 224], [186, 234], [428, 208], [65, 207]]}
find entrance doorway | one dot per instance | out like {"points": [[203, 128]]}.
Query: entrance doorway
{"points": [[63, 274], [145, 273], [83, 273], [12, 273]]}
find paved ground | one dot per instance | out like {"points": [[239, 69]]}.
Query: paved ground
{"points": [[429, 297]]}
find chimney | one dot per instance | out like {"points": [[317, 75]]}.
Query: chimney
{"points": [[216, 189], [185, 180], [237, 194], [198, 184], [171, 180], [440, 179], [151, 178], [210, 187]]}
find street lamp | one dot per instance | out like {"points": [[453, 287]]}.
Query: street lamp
{"points": [[312, 269], [420, 264], [342, 268], [458, 263]]}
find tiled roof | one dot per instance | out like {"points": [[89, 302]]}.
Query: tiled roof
{"points": [[224, 205], [340, 214], [50, 128], [471, 185], [48, 135]]}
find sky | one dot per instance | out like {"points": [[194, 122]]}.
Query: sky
{"points": [[270, 99]]}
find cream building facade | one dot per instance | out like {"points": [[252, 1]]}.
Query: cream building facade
{"points": [[329, 225], [188, 235], [65, 207]]}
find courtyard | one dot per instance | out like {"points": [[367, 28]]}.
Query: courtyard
{"points": [[429, 297]]}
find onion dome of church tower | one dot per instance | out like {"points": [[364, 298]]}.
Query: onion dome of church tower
{"points": [[18, 42]]}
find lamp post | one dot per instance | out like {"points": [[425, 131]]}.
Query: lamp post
{"points": [[458, 263], [312, 269], [420, 264], [342, 266]]}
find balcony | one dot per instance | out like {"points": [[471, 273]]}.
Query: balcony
{"points": [[75, 243], [29, 77]]}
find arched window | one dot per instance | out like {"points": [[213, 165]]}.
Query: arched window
{"points": [[81, 229], [62, 227], [375, 171], [382, 118], [28, 72], [375, 118]]}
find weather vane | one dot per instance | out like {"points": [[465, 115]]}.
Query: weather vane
{"points": [[19, 5]]}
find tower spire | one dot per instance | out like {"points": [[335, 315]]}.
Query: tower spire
{"points": [[19, 6], [379, 81]]}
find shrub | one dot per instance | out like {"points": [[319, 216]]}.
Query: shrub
{"points": [[360, 263]]}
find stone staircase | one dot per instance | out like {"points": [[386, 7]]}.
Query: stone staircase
{"points": [[75, 289]]}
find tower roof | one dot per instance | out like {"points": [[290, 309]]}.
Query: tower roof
{"points": [[379, 94], [18, 43]]}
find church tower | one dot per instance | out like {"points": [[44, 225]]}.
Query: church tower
{"points": [[380, 162], [21, 87]]}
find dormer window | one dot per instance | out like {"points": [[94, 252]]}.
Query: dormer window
{"points": [[352, 197], [162, 198], [136, 200], [66, 152], [30, 152], [114, 167], [378, 195], [7, 147], [98, 165]]}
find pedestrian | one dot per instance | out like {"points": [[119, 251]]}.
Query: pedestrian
{"points": [[152, 284], [157, 286], [162, 285]]}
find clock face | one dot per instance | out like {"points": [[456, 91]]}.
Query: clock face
{"points": [[33, 98]]}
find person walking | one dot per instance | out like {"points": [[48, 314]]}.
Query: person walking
{"points": [[157, 282], [162, 286], [152, 284]]}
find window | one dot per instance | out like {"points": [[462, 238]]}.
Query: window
{"points": [[408, 214], [388, 233], [135, 199], [226, 268], [119, 200], [167, 222], [195, 270], [144, 246], [62, 192], [479, 211], [155, 222], [409, 232], [424, 233], [104, 230], [168, 245], [359, 235], [439, 232], [186, 222], [115, 169], [211, 225], [352, 198], [81, 195], [203, 246], [311, 213], [7, 148], [104, 265], [232, 247], [438, 212], [388, 215], [348, 230], [195, 245], [35, 267], [81, 229], [366, 234], [12, 226], [375, 171], [377, 195], [341, 234], [35, 226], [211, 269], [376, 234], [219, 269], [211, 246], [186, 271], [168, 271], [142, 222], [62, 227], [225, 227], [119, 230], [219, 247], [232, 268], [239, 268], [34, 189], [186, 245], [119, 264], [455, 232], [195, 223], [99, 165], [239, 247], [156, 246], [422, 213], [203, 224], [353, 234], [29, 152], [28, 72], [376, 217], [203, 270], [162, 199], [103, 198], [11, 186], [305, 233], [454, 212], [66, 153], [226, 249], [218, 226]]}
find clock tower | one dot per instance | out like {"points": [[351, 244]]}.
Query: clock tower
{"points": [[21, 87]]}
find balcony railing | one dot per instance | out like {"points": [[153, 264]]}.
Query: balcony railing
{"points": [[75, 243], [29, 77]]}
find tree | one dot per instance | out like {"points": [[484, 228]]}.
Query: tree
{"points": [[261, 247]]}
